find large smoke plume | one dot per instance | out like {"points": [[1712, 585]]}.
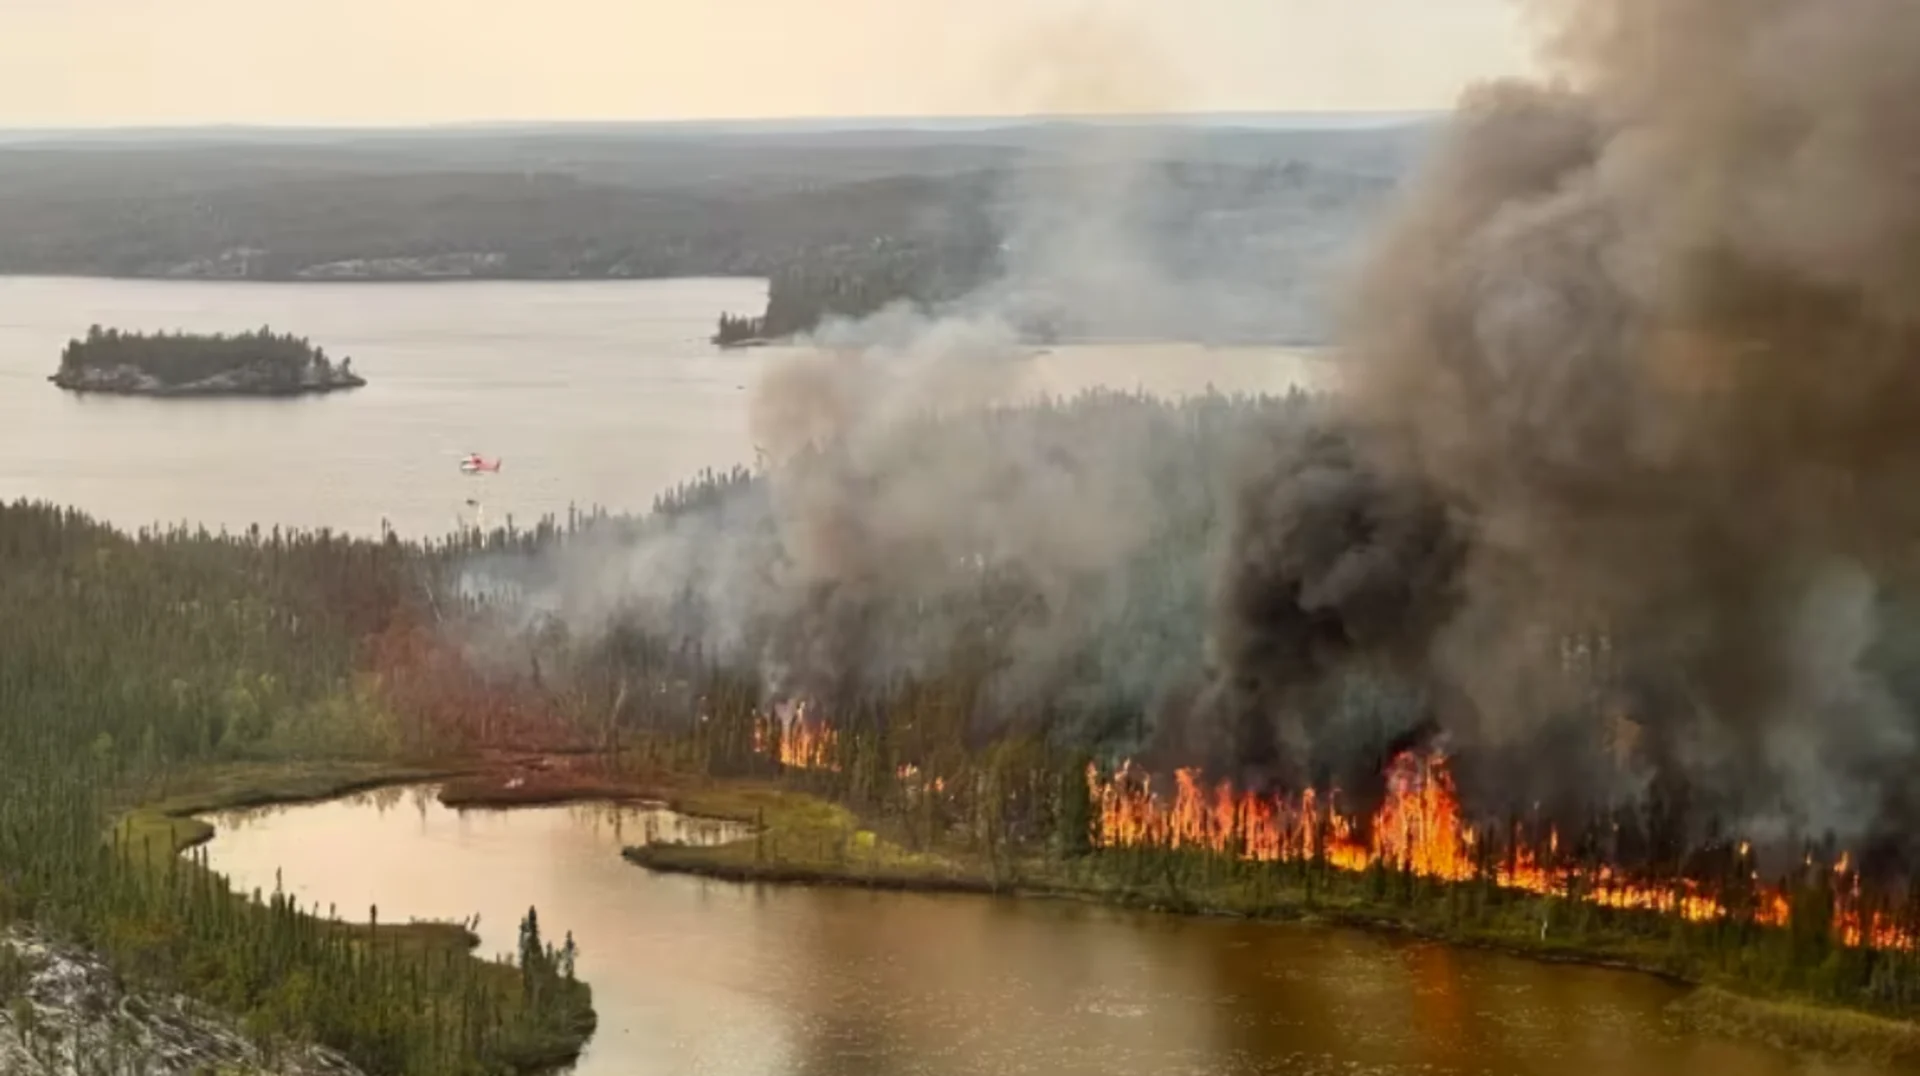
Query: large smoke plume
{"points": [[1617, 501], [1641, 343], [878, 537]]}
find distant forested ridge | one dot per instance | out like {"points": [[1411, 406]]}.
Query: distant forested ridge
{"points": [[840, 223], [261, 363], [449, 226]]}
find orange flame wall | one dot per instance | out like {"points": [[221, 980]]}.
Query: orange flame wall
{"points": [[1418, 828], [804, 744]]}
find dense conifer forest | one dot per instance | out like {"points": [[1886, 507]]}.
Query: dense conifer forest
{"points": [[738, 329], [140, 670], [839, 283], [134, 666]]}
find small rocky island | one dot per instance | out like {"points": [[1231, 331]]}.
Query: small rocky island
{"points": [[259, 363]]}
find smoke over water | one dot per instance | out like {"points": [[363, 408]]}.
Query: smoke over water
{"points": [[1632, 370], [1616, 500], [905, 523], [921, 509]]}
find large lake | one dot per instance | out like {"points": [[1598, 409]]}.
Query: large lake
{"points": [[699, 978], [592, 393]]}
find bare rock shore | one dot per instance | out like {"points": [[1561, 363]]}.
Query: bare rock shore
{"points": [[63, 1013]]}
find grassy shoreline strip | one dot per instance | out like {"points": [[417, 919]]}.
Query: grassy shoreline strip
{"points": [[1800, 1026], [240, 788]]}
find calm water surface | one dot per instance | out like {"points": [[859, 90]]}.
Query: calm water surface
{"points": [[593, 393], [699, 978]]}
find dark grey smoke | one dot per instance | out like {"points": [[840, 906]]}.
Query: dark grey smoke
{"points": [[1333, 579], [1621, 497], [1647, 335]]}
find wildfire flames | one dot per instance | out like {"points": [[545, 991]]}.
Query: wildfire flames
{"points": [[803, 744], [916, 784], [1418, 828]]}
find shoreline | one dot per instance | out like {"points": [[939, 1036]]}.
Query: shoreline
{"points": [[274, 281], [1790, 1023], [533, 779], [664, 858], [103, 386], [1713, 1003]]}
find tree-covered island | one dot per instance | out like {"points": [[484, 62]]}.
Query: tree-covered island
{"points": [[259, 363], [740, 330]]}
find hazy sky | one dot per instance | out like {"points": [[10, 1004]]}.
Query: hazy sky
{"points": [[403, 61]]}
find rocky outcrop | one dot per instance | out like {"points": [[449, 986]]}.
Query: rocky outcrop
{"points": [[63, 1013], [246, 381]]}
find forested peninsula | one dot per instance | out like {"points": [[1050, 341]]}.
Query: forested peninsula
{"points": [[259, 363]]}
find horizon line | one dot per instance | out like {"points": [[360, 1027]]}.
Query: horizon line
{"points": [[824, 123]]}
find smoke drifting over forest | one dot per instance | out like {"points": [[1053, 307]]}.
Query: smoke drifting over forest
{"points": [[906, 515], [1616, 499], [1643, 343]]}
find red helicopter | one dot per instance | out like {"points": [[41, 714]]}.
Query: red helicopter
{"points": [[475, 463]]}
